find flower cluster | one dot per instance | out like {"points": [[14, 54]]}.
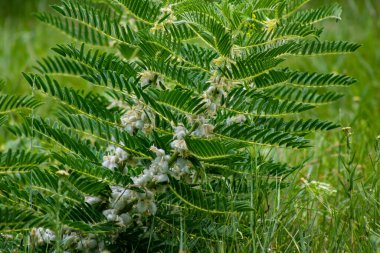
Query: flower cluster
{"points": [[218, 86], [129, 206], [143, 202], [122, 219], [148, 77], [137, 119], [70, 240], [157, 171], [204, 128], [179, 144], [181, 170], [212, 97], [168, 10], [151, 180], [90, 243], [42, 235], [169, 18], [115, 158]]}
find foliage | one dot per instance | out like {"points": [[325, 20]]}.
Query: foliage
{"points": [[171, 151]]}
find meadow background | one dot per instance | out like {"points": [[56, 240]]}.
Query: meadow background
{"points": [[348, 164]]}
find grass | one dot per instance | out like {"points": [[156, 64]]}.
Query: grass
{"points": [[348, 219], [309, 216]]}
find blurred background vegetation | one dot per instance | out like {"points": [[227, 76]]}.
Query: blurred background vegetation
{"points": [[23, 40]]}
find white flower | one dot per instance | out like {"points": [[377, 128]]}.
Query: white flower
{"points": [[120, 192], [69, 239], [7, 236], [160, 164], [87, 243], [148, 128], [92, 243], [136, 118], [121, 198], [213, 107], [143, 179], [157, 171], [110, 162], [110, 214], [157, 151], [212, 97], [43, 235], [210, 91], [126, 219], [63, 173], [130, 117], [116, 189], [129, 129], [147, 194], [116, 156], [92, 200], [139, 124], [166, 10], [181, 168], [121, 154], [204, 130], [167, 16], [47, 235], [236, 119], [119, 204], [179, 145], [146, 206], [180, 132], [146, 77], [161, 178]]}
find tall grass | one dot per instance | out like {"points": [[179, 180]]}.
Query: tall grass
{"points": [[347, 220]]}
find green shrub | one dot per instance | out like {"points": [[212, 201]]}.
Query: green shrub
{"points": [[172, 150]]}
